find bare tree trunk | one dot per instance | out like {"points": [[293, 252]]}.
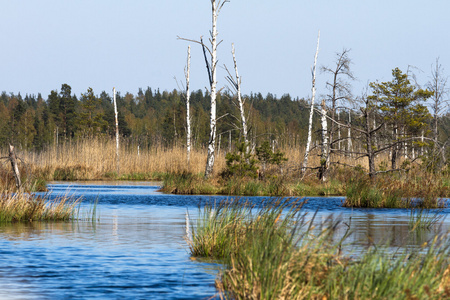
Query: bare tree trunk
{"points": [[14, 166], [339, 131], [313, 90], [188, 115], [216, 6], [116, 115], [349, 134], [369, 143], [324, 161], [240, 102], [395, 150]]}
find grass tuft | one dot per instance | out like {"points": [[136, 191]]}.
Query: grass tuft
{"points": [[275, 252], [22, 207]]}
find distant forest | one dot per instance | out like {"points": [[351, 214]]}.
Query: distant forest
{"points": [[152, 117]]}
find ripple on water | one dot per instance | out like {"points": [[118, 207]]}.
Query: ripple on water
{"points": [[136, 250]]}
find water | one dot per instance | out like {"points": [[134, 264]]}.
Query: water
{"points": [[136, 249]]}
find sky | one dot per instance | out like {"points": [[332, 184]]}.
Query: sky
{"points": [[133, 44]]}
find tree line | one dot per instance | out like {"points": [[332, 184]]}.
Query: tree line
{"points": [[149, 118]]}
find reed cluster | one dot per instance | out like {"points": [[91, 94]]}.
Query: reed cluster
{"points": [[23, 207], [275, 252], [95, 159], [417, 189]]}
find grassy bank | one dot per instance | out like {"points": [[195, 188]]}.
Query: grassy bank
{"points": [[275, 253], [267, 174], [414, 189]]}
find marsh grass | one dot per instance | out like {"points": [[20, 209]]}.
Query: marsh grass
{"points": [[411, 191], [275, 252], [95, 159], [420, 218], [22, 207], [187, 183]]}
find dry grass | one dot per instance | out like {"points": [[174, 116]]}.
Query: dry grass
{"points": [[95, 159], [92, 159]]}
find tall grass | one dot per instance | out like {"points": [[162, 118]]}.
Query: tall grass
{"points": [[93, 159], [414, 190], [22, 207], [275, 252]]}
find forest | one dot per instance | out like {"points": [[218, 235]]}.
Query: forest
{"points": [[154, 118], [148, 118]]}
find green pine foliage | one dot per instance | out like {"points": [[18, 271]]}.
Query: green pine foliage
{"points": [[148, 117]]}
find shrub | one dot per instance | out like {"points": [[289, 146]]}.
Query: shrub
{"points": [[240, 164]]}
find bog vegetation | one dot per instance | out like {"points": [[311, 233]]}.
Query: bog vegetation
{"points": [[277, 251]]}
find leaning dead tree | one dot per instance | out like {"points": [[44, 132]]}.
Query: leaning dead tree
{"points": [[14, 166], [211, 67], [313, 90], [236, 84], [13, 159]]}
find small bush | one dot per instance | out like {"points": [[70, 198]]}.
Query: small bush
{"points": [[240, 164]]}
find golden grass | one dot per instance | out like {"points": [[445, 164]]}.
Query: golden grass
{"points": [[23, 207], [95, 159]]}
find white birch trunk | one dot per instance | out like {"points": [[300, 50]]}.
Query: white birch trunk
{"points": [[375, 135], [240, 102], [313, 90], [421, 146], [349, 134], [339, 131], [116, 115], [212, 127], [324, 161], [188, 114]]}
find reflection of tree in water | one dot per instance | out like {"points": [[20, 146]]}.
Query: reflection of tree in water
{"points": [[372, 229], [393, 231]]}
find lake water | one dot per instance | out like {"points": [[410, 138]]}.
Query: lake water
{"points": [[136, 250]]}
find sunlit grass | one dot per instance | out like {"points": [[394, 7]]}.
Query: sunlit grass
{"points": [[23, 207], [275, 252]]}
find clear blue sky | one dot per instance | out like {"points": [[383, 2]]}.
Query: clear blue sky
{"points": [[132, 44]]}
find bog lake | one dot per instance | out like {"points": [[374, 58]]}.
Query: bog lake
{"points": [[135, 248]]}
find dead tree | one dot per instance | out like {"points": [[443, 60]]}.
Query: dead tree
{"points": [[236, 84], [340, 90], [313, 91], [14, 166], [211, 66], [439, 104], [116, 115], [188, 115], [324, 155]]}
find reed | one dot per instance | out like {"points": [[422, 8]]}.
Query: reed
{"points": [[22, 207], [416, 190], [95, 159], [274, 252]]}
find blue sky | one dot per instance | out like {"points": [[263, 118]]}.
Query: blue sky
{"points": [[132, 44]]}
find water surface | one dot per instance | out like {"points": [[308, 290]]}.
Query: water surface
{"points": [[136, 249]]}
